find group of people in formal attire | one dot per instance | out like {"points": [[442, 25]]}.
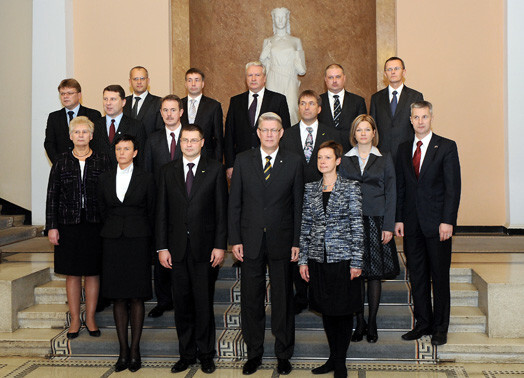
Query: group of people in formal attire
{"points": [[316, 204]]}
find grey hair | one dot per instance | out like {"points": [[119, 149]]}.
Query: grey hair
{"points": [[256, 63], [81, 120], [269, 116], [420, 105]]}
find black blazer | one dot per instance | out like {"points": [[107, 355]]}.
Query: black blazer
{"points": [[353, 106], [149, 113], [434, 198], [132, 218], [292, 142], [57, 139], [239, 135], [157, 153], [211, 119], [200, 217], [128, 125], [378, 186], [393, 129], [273, 206]]}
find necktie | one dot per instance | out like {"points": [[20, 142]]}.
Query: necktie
{"points": [[70, 113], [112, 131], [308, 147], [267, 168], [192, 111], [394, 103], [190, 177], [253, 110], [336, 111], [173, 146], [416, 159], [134, 111]]}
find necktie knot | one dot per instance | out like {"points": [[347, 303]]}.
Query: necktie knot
{"points": [[137, 99], [71, 114], [255, 95], [395, 93], [335, 97], [309, 130], [268, 159], [419, 143], [191, 165]]}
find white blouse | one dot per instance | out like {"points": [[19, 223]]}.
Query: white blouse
{"points": [[123, 177]]}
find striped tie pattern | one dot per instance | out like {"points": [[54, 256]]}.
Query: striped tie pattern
{"points": [[267, 168], [336, 111]]}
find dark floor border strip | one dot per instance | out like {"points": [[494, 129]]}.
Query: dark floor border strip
{"points": [[495, 230]]}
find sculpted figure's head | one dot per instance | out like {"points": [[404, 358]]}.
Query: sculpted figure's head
{"points": [[281, 19]]}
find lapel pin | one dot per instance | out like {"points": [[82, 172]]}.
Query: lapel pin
{"points": [[436, 146]]}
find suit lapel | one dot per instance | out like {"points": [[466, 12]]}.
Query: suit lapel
{"points": [[135, 179], [201, 110], [354, 161], [256, 159], [430, 155], [371, 160], [145, 106], [200, 175], [402, 101], [180, 181], [277, 167], [384, 100]]}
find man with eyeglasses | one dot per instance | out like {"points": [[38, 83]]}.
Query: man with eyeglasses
{"points": [[141, 104], [265, 212], [390, 107], [191, 237], [57, 138], [244, 110]]}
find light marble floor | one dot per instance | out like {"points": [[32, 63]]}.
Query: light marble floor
{"points": [[34, 367]]}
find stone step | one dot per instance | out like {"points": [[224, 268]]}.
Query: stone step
{"points": [[52, 292], [27, 342], [467, 319], [460, 275], [16, 234], [464, 294], [6, 221], [478, 347], [39, 244], [44, 316]]}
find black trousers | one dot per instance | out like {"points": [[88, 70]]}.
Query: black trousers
{"points": [[338, 332], [253, 294], [193, 292], [428, 261], [162, 282]]}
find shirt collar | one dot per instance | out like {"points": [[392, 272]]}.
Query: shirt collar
{"points": [[75, 110], [142, 96], [354, 151], [260, 93], [197, 98], [273, 155], [195, 161], [126, 171], [425, 140], [314, 125], [399, 89], [117, 119]]}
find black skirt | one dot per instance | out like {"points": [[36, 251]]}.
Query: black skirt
{"points": [[331, 290], [379, 261], [79, 252], [126, 268]]}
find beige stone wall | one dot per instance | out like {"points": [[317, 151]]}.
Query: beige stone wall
{"points": [[454, 52]]}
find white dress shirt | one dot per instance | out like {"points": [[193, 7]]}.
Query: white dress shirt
{"points": [[75, 111], [168, 137], [141, 102], [123, 178], [273, 157], [117, 119], [399, 91], [304, 132], [332, 100], [259, 101], [186, 168], [423, 147]]}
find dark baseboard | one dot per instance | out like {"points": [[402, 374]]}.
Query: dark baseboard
{"points": [[492, 230], [9, 208]]}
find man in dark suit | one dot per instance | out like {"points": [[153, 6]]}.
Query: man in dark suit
{"points": [[204, 112], [390, 108], [57, 138], [116, 123], [141, 104], [303, 139], [162, 147], [428, 196], [244, 110], [265, 209], [340, 106], [191, 230]]}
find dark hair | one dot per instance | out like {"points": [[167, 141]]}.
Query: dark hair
{"points": [[361, 118], [172, 97], [192, 127], [116, 88], [333, 65], [194, 70], [395, 58], [69, 83], [336, 147], [139, 68], [310, 93], [126, 138]]}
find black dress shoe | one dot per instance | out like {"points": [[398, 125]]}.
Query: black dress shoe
{"points": [[328, 367], [372, 335], [439, 338], [121, 364], [251, 366], [158, 311], [416, 333], [95, 333], [207, 365], [359, 333], [135, 364], [284, 366], [182, 365], [72, 335]]}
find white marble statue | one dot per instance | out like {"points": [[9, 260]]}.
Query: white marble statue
{"points": [[284, 59]]}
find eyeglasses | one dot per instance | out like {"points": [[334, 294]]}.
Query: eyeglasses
{"points": [[270, 131], [139, 79], [193, 140], [393, 69], [63, 94]]}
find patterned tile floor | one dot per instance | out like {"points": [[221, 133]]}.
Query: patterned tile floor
{"points": [[57, 368]]}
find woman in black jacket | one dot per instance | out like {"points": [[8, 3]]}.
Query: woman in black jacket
{"points": [[72, 222], [126, 196], [376, 173]]}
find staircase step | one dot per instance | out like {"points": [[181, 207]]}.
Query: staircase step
{"points": [[6, 221], [464, 294], [467, 319], [52, 292], [27, 342], [39, 244], [460, 275], [16, 234], [43, 316]]}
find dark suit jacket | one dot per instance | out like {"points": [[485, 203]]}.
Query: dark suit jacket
{"points": [[132, 218], [57, 139], [292, 141], [239, 135], [157, 153], [274, 206], [200, 217], [149, 113], [128, 125], [211, 119], [353, 106], [397, 128], [378, 185], [433, 198]]}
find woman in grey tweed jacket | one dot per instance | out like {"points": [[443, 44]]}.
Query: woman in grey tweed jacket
{"points": [[331, 245]]}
